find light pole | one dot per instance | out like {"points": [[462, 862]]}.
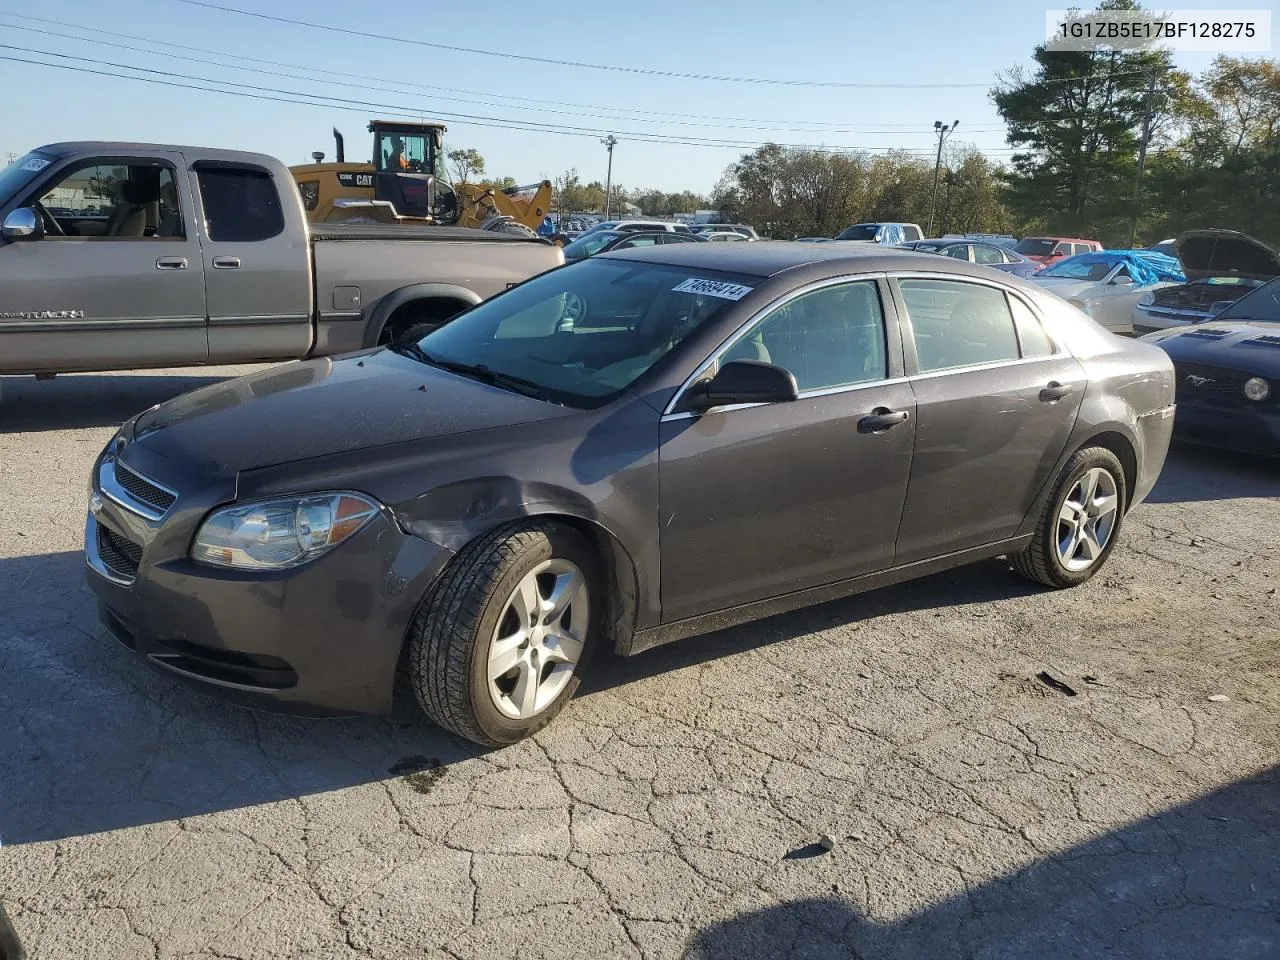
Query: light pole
{"points": [[943, 131], [610, 141]]}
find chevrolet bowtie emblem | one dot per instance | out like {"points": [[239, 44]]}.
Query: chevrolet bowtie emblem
{"points": [[1198, 381]]}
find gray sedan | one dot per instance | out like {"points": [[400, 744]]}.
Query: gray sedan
{"points": [[623, 452]]}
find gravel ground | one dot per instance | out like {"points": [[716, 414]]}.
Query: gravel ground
{"points": [[678, 807]]}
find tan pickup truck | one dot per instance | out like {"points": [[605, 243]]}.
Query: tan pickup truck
{"points": [[128, 256]]}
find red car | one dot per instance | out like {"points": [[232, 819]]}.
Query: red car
{"points": [[1045, 250]]}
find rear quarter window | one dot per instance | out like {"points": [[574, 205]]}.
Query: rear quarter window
{"points": [[241, 205]]}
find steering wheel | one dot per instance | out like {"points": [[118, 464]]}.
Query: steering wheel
{"points": [[51, 226]]}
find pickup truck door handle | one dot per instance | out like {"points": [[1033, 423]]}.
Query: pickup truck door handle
{"points": [[1055, 391], [881, 419], [171, 263], [226, 263]]}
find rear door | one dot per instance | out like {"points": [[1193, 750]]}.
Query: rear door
{"points": [[116, 282], [763, 500], [996, 401], [257, 263]]}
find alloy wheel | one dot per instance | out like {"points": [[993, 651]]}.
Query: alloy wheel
{"points": [[1087, 519]]}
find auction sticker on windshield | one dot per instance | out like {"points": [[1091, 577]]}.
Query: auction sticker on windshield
{"points": [[712, 288]]}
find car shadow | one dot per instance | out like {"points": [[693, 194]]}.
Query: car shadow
{"points": [[77, 401], [1199, 880], [1192, 473], [99, 740]]}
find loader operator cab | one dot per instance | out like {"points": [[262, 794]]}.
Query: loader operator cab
{"points": [[409, 172]]}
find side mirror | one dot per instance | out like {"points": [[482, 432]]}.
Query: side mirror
{"points": [[744, 381], [25, 223], [1122, 279]]}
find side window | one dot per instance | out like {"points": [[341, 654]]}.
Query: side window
{"points": [[958, 324], [241, 205], [114, 201], [910, 233], [646, 241], [1064, 249], [831, 337], [958, 251], [1035, 342], [985, 254]]}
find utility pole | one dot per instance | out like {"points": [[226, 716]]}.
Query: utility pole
{"points": [[1142, 160], [943, 131], [610, 141]]}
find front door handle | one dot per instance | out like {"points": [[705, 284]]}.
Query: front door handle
{"points": [[881, 419], [226, 263], [1055, 391], [171, 263]]}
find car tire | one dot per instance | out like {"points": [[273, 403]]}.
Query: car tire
{"points": [[1077, 529], [469, 625]]}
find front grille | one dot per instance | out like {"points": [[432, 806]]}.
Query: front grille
{"points": [[142, 489], [120, 554], [1218, 385]]}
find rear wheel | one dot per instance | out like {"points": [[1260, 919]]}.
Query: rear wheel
{"points": [[1078, 528], [498, 648]]}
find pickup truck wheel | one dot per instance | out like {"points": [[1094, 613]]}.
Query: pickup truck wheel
{"points": [[1078, 528], [498, 647]]}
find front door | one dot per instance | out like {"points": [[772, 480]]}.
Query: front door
{"points": [[995, 404], [116, 282], [765, 500], [256, 263]]}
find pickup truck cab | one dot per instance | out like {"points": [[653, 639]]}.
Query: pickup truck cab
{"points": [[129, 256]]}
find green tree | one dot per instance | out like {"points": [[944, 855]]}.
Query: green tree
{"points": [[466, 163]]}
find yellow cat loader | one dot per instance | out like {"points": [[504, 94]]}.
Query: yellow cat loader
{"points": [[407, 182]]}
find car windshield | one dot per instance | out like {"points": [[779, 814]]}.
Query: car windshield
{"points": [[859, 231], [582, 334], [1073, 269], [1260, 304], [15, 177], [589, 244], [1035, 246]]}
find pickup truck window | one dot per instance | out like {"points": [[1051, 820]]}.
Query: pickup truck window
{"points": [[240, 205], [110, 200]]}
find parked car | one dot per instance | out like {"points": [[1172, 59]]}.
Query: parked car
{"points": [[748, 233], [814, 240], [1220, 266], [602, 241], [717, 436], [1003, 240], [632, 226], [1108, 285], [987, 254], [1228, 374], [207, 257], [1045, 250], [722, 236], [891, 234]]}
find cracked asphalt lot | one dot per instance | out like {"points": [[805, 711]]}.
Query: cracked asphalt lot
{"points": [[674, 809]]}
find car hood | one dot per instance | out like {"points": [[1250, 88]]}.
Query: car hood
{"points": [[1235, 344], [1218, 253], [321, 407]]}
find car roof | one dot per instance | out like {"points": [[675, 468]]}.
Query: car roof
{"points": [[1060, 239], [767, 258]]}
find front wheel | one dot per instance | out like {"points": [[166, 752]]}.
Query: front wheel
{"points": [[497, 649], [1078, 527]]}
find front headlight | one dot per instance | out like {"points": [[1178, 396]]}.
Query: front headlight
{"points": [[278, 534], [1147, 299], [1255, 388]]}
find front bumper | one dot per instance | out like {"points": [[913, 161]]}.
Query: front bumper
{"points": [[321, 638], [1245, 427], [1149, 318]]}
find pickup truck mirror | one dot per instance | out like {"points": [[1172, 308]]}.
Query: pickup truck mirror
{"points": [[743, 381], [25, 223]]}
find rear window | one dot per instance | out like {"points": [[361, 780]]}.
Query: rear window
{"points": [[859, 231], [240, 205], [1034, 246]]}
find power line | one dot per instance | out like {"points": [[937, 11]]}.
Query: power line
{"points": [[172, 79], [404, 87], [576, 113]]}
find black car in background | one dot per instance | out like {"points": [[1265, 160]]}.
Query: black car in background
{"points": [[604, 241], [1228, 375]]}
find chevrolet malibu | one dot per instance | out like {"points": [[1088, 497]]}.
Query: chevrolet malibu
{"points": [[630, 450]]}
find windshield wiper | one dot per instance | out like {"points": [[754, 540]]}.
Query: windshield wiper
{"points": [[484, 374]]}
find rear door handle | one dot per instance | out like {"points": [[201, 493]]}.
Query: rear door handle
{"points": [[226, 263], [1055, 391], [881, 419], [171, 263]]}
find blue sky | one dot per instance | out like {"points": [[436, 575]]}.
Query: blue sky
{"points": [[959, 45]]}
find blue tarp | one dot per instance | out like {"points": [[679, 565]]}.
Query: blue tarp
{"points": [[1145, 266]]}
